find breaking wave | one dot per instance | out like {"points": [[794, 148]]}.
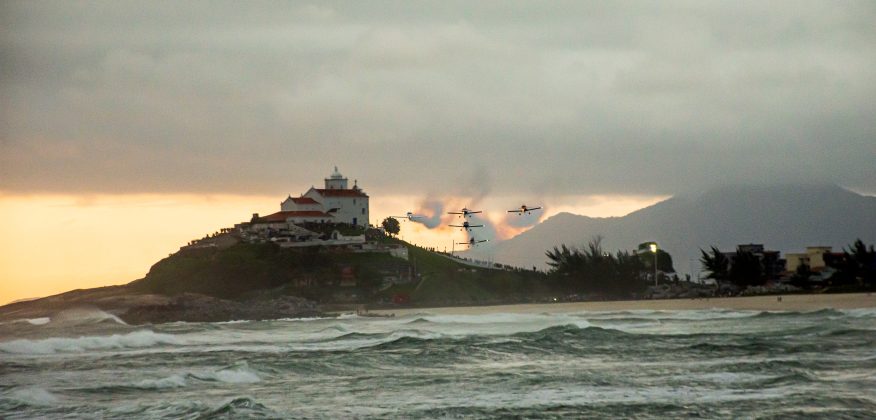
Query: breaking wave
{"points": [[85, 316], [136, 339], [29, 396]]}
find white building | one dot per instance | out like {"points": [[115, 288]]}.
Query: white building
{"points": [[345, 205]]}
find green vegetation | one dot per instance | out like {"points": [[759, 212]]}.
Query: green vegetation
{"points": [[443, 280], [716, 264], [856, 268], [233, 271], [391, 226], [664, 260], [594, 271], [744, 269], [331, 274], [852, 270]]}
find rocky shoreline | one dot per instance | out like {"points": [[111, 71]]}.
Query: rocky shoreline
{"points": [[143, 308]]}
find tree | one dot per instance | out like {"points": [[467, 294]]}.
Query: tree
{"points": [[801, 277], [716, 263], [664, 260], [857, 266], [592, 270], [747, 270], [391, 225]]}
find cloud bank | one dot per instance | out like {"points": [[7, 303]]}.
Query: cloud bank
{"points": [[536, 98]]}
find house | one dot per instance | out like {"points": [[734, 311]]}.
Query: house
{"points": [[345, 205]]}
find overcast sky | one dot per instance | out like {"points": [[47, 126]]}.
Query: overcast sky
{"points": [[439, 97]]}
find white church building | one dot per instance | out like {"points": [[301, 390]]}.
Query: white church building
{"points": [[336, 203]]}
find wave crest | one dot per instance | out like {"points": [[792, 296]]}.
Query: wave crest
{"points": [[136, 339], [30, 396]]}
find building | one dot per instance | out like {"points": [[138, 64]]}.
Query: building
{"points": [[815, 258], [772, 261], [342, 204]]}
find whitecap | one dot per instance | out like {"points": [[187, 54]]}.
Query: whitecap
{"points": [[236, 321], [39, 321], [859, 312], [34, 395], [79, 316], [136, 339], [308, 319], [31, 321], [173, 381], [242, 375]]}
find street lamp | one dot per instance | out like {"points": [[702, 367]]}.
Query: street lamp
{"points": [[653, 247]]}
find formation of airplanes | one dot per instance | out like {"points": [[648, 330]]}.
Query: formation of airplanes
{"points": [[464, 213]]}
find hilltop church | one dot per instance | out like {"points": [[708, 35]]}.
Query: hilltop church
{"points": [[333, 204]]}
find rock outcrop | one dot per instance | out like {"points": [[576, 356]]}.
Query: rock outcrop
{"points": [[142, 308]]}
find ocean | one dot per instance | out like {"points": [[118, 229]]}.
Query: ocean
{"points": [[612, 364]]}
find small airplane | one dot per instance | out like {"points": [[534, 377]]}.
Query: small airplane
{"points": [[471, 242], [410, 216], [465, 225], [524, 210], [465, 212]]}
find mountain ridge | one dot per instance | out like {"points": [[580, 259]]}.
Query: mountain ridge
{"points": [[782, 217]]}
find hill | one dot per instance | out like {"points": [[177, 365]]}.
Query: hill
{"points": [[784, 218], [332, 275], [264, 281]]}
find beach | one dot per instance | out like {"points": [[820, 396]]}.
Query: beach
{"points": [[798, 303]]}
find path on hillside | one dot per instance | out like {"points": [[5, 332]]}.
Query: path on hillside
{"points": [[470, 263]]}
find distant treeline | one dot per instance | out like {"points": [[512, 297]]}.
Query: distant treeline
{"points": [[591, 270]]}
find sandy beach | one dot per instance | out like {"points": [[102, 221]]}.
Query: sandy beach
{"points": [[810, 302]]}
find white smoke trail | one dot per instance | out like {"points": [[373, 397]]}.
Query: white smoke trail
{"points": [[432, 210]]}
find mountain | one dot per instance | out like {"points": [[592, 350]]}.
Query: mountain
{"points": [[783, 218]]}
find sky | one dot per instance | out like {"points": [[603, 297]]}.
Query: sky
{"points": [[129, 128]]}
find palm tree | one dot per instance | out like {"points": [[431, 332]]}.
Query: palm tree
{"points": [[716, 263]]}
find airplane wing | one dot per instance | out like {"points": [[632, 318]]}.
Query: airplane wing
{"points": [[515, 211], [475, 226], [535, 208], [473, 212], [453, 212], [457, 226]]}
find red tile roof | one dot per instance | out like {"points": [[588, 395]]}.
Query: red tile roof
{"points": [[341, 193], [304, 200], [281, 216]]}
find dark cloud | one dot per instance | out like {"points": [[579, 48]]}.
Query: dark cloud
{"points": [[439, 98]]}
